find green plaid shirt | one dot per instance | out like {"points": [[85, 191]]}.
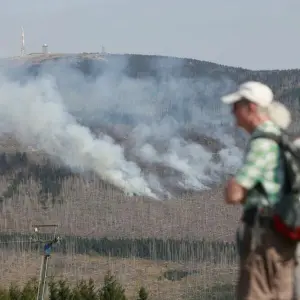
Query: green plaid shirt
{"points": [[262, 163]]}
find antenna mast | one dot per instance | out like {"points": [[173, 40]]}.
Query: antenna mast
{"points": [[22, 42]]}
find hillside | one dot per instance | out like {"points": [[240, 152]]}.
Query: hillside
{"points": [[36, 190]]}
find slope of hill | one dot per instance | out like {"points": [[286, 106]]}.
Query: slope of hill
{"points": [[99, 208]]}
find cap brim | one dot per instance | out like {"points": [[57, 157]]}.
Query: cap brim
{"points": [[231, 98]]}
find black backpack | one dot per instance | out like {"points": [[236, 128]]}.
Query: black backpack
{"points": [[285, 213]]}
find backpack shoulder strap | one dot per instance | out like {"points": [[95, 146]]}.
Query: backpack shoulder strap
{"points": [[268, 135], [271, 136]]}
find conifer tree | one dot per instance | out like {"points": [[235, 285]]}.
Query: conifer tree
{"points": [[111, 289]]}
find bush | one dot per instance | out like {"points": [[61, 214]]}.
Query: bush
{"points": [[143, 295]]}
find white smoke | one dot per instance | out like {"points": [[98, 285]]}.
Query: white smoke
{"points": [[35, 113], [46, 112]]}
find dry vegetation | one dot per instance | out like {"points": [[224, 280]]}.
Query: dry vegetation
{"points": [[91, 207], [87, 206]]}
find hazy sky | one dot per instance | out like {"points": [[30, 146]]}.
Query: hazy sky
{"points": [[256, 34]]}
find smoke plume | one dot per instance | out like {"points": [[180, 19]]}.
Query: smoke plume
{"points": [[149, 136]]}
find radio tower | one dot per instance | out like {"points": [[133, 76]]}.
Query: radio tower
{"points": [[22, 42]]}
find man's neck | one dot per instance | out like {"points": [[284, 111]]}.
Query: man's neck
{"points": [[259, 122]]}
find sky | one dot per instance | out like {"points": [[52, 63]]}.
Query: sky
{"points": [[256, 34]]}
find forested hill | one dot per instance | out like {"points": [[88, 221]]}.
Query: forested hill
{"points": [[284, 82], [34, 189]]}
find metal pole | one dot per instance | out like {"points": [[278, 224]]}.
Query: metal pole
{"points": [[43, 275], [22, 42], [46, 255]]}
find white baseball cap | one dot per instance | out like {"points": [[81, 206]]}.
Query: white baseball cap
{"points": [[253, 91]]}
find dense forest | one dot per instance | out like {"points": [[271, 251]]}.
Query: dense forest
{"points": [[214, 252]]}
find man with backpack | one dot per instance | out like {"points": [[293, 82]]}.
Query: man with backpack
{"points": [[268, 187]]}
